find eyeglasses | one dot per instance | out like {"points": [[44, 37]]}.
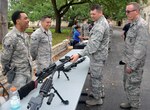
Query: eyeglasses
{"points": [[127, 11]]}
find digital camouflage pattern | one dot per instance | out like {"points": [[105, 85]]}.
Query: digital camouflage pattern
{"points": [[134, 57], [41, 44], [16, 52], [97, 50], [85, 30]]}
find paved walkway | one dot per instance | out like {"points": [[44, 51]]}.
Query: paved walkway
{"points": [[113, 75]]}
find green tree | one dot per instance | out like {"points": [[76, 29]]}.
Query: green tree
{"points": [[78, 12], [3, 18], [59, 9], [115, 9], [34, 8], [37, 8]]}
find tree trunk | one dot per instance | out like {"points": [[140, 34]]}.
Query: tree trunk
{"points": [[58, 24], [3, 18]]}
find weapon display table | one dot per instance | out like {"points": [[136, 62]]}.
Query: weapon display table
{"points": [[69, 90]]}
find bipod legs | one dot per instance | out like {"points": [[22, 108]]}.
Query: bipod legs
{"points": [[64, 74], [66, 102]]}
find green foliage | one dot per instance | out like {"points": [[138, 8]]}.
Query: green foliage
{"points": [[10, 24], [79, 12], [34, 8], [114, 9]]}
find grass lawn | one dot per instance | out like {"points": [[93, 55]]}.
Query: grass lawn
{"points": [[57, 37]]}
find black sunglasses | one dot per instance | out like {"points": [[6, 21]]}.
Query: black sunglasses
{"points": [[127, 11]]}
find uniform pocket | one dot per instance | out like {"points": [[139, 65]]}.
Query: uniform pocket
{"points": [[131, 37], [136, 77]]}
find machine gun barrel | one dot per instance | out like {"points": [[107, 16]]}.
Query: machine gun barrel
{"points": [[51, 69], [68, 68], [45, 73]]}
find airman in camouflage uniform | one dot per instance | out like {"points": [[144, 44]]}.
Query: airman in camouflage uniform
{"points": [[97, 50], [16, 50], [134, 55], [41, 44]]}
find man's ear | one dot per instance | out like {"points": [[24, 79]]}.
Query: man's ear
{"points": [[137, 12], [17, 21]]}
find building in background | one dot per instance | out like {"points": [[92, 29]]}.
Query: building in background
{"points": [[146, 12]]}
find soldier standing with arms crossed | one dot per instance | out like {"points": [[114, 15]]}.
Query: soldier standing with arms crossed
{"points": [[15, 51], [41, 44], [134, 56], [97, 50]]}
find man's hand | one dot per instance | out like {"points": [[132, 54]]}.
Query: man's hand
{"points": [[74, 57], [86, 37], [128, 70]]}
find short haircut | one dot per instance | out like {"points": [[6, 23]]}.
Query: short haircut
{"points": [[85, 19], [44, 17], [77, 27], [135, 5], [16, 15], [75, 22], [96, 7]]}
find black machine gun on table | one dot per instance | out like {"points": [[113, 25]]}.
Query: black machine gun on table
{"points": [[67, 68], [47, 71], [36, 102]]}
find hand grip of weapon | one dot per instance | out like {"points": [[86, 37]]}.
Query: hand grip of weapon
{"points": [[50, 98], [68, 68]]}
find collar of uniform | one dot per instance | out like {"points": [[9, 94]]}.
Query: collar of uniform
{"points": [[18, 32], [99, 20], [134, 22], [43, 30]]}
